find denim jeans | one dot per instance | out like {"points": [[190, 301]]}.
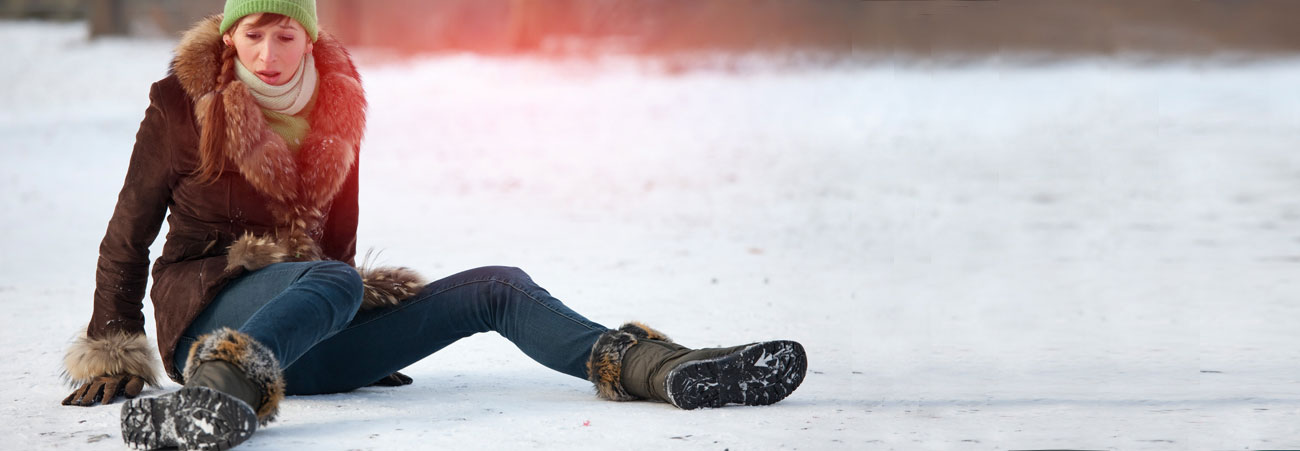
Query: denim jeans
{"points": [[306, 314]]}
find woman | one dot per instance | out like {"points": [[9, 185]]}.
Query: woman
{"points": [[252, 142]]}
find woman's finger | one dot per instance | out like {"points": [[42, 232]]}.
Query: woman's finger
{"points": [[134, 386]]}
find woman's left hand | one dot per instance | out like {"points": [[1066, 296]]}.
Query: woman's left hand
{"points": [[393, 380]]}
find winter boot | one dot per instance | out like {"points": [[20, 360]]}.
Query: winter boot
{"points": [[637, 362], [232, 384]]}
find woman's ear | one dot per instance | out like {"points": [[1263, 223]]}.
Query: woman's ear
{"points": [[226, 39], [309, 47]]}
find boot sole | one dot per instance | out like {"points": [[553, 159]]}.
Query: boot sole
{"points": [[192, 418], [757, 375]]}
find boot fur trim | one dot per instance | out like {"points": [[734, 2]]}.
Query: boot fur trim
{"points": [[644, 332], [255, 360], [117, 354], [605, 367]]}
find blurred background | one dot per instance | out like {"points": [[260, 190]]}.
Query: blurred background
{"points": [[837, 27]]}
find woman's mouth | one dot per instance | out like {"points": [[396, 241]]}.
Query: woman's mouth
{"points": [[268, 76]]}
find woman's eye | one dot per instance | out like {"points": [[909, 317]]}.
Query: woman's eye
{"points": [[286, 38], [253, 35]]}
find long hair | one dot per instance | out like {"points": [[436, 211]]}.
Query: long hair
{"points": [[213, 133]]}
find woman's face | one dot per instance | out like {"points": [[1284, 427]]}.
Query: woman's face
{"points": [[272, 51]]}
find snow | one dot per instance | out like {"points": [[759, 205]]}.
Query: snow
{"points": [[1092, 254]]}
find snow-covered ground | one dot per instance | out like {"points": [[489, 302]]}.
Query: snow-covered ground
{"points": [[1088, 255]]}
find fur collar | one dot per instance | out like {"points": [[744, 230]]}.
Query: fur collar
{"points": [[300, 185]]}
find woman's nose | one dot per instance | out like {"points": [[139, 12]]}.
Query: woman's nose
{"points": [[267, 55]]}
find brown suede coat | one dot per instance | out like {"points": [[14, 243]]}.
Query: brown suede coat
{"points": [[305, 203]]}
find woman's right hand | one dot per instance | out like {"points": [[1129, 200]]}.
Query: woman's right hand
{"points": [[104, 389]]}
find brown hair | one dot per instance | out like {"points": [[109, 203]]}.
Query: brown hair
{"points": [[212, 135]]}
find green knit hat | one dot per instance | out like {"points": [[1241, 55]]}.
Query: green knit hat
{"points": [[303, 11]]}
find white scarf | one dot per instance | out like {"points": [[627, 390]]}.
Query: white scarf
{"points": [[288, 98]]}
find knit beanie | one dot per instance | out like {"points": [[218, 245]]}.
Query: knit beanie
{"points": [[303, 11]]}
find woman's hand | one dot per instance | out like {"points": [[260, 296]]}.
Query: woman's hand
{"points": [[104, 389], [393, 380]]}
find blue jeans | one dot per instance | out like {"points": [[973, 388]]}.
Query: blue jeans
{"points": [[306, 314]]}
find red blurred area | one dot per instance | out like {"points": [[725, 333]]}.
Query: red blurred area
{"points": [[839, 26], [1069, 27]]}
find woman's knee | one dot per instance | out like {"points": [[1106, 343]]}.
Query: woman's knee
{"points": [[508, 274], [339, 276]]}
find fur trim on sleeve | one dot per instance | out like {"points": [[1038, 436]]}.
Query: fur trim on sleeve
{"points": [[388, 286], [254, 252], [383, 286], [117, 354]]}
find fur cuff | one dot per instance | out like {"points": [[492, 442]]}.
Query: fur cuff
{"points": [[255, 360], [384, 286], [605, 367], [644, 332], [388, 286], [255, 252], [117, 354]]}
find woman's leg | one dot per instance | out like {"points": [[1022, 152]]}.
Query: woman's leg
{"points": [[234, 380], [502, 299], [287, 307]]}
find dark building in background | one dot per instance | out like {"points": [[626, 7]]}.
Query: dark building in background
{"points": [[1069, 27]]}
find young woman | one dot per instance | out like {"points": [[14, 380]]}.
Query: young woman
{"points": [[251, 142]]}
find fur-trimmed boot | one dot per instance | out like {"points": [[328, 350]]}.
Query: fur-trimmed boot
{"points": [[637, 362], [232, 384]]}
